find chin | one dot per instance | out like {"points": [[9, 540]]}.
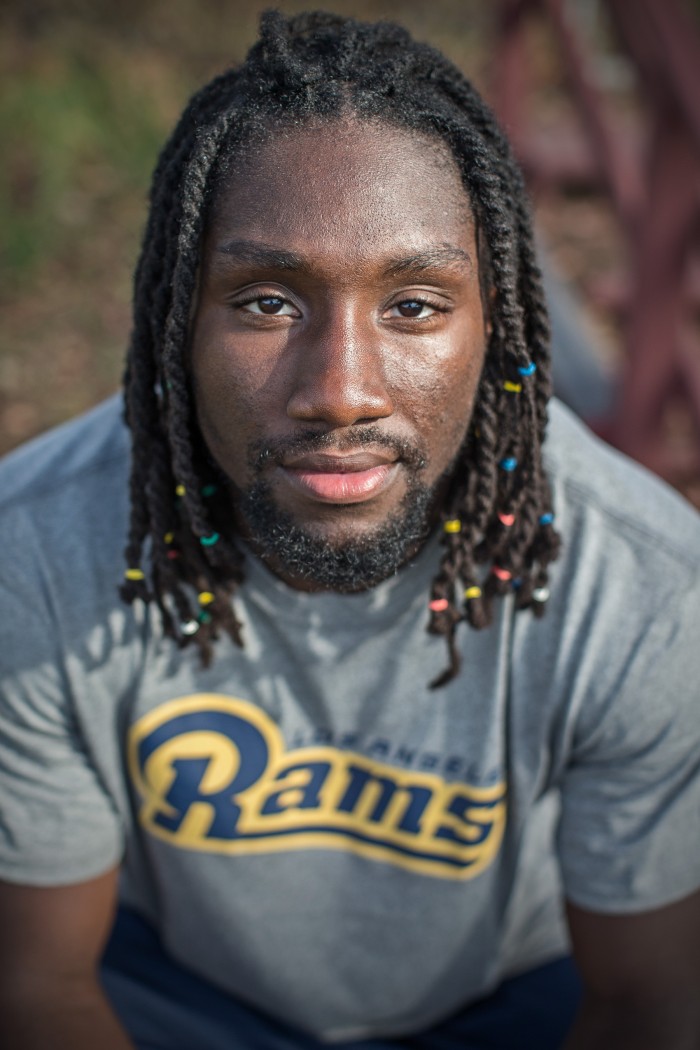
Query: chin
{"points": [[326, 557]]}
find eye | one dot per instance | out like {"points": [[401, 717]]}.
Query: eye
{"points": [[417, 309], [270, 305]]}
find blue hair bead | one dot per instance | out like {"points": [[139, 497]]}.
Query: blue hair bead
{"points": [[546, 519], [528, 370], [509, 463], [209, 490], [209, 541]]}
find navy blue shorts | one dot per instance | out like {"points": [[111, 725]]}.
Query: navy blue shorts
{"points": [[163, 1006]]}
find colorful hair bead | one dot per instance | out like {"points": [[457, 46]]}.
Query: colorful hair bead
{"points": [[512, 388], [528, 370], [189, 627], [438, 605], [506, 519], [501, 574], [135, 574], [540, 594], [172, 554], [204, 617], [546, 519], [169, 537], [472, 592], [180, 490], [209, 541], [453, 525], [205, 597], [508, 464], [208, 490]]}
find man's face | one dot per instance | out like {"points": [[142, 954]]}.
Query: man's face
{"points": [[337, 345]]}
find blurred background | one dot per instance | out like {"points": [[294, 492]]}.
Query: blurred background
{"points": [[600, 97]]}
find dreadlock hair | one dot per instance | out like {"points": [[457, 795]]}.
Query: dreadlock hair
{"points": [[497, 518]]}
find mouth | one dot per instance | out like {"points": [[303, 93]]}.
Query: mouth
{"points": [[340, 478]]}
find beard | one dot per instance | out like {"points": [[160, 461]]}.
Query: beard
{"points": [[351, 564]]}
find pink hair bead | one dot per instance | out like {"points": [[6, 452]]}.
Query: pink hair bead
{"points": [[438, 605]]}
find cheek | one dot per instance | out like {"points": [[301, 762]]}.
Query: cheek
{"points": [[234, 398], [447, 426], [235, 375], [224, 369], [441, 395]]}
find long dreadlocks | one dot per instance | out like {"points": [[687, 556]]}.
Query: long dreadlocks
{"points": [[497, 518]]}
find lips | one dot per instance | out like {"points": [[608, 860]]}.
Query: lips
{"points": [[330, 477]]}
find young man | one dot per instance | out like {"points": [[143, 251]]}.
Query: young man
{"points": [[329, 764]]}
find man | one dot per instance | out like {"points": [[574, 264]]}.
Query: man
{"points": [[318, 820]]}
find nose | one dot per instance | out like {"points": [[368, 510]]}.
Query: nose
{"points": [[339, 375]]}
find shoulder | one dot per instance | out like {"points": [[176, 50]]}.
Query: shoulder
{"points": [[606, 501], [624, 593], [63, 516], [69, 455]]}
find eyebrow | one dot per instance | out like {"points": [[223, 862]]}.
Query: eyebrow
{"points": [[263, 255], [266, 256], [431, 259]]}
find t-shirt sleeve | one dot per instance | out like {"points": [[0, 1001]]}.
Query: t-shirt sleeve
{"points": [[629, 835], [58, 823]]}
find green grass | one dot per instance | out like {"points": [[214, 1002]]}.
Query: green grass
{"points": [[75, 142]]}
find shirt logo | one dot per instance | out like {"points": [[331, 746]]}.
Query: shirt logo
{"points": [[213, 775]]}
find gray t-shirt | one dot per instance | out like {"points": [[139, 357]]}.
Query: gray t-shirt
{"points": [[306, 823]]}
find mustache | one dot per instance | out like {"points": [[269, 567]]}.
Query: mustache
{"points": [[271, 453]]}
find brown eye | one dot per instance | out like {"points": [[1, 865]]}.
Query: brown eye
{"points": [[270, 305], [413, 308], [410, 308]]}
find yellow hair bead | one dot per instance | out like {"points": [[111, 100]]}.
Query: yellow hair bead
{"points": [[472, 592], [135, 574], [205, 598], [180, 490], [453, 525], [512, 388], [169, 537]]}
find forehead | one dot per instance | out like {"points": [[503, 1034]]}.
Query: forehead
{"points": [[350, 186]]}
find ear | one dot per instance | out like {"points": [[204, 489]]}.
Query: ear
{"points": [[488, 301]]}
